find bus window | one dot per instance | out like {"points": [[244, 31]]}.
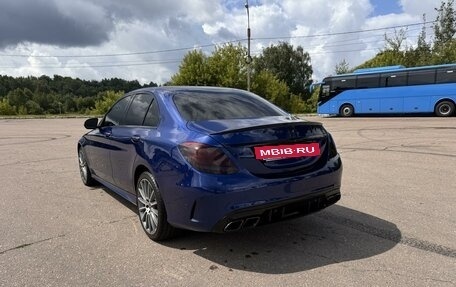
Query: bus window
{"points": [[394, 79], [344, 83], [423, 77], [368, 81], [446, 75]]}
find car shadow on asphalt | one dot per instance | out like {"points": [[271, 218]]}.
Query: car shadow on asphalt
{"points": [[335, 235], [116, 196]]}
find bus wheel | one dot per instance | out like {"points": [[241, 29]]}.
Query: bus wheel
{"points": [[346, 111], [444, 109]]}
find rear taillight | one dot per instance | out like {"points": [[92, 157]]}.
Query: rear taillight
{"points": [[332, 148], [206, 158]]}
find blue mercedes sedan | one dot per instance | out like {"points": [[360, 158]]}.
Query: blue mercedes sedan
{"points": [[209, 159]]}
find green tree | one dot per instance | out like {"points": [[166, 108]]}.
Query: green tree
{"points": [[384, 58], [268, 86], [193, 70], [342, 67], [42, 86], [33, 108], [43, 100], [422, 44], [444, 34], [5, 108], [18, 97], [445, 23], [22, 110], [227, 66], [85, 104], [422, 54], [58, 94], [106, 100], [69, 104], [297, 105], [311, 103], [442, 51], [445, 54], [288, 64], [395, 42]]}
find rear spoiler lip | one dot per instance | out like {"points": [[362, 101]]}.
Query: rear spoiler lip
{"points": [[293, 124]]}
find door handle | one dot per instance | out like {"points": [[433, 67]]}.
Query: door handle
{"points": [[107, 134], [135, 138]]}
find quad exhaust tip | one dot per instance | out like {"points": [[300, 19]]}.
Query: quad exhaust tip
{"points": [[251, 222], [234, 225], [242, 223]]}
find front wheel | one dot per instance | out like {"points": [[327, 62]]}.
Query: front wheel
{"points": [[84, 169], [444, 109], [151, 209], [346, 110]]}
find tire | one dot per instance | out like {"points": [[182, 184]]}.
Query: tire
{"points": [[84, 169], [151, 209], [346, 111], [444, 109]]}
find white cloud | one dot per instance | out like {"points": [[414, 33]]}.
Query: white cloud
{"points": [[418, 8], [152, 25]]}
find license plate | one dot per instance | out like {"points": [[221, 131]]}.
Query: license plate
{"points": [[287, 151]]}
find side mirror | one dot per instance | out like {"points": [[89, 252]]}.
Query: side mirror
{"points": [[313, 86], [91, 123]]}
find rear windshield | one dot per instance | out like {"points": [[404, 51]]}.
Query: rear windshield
{"points": [[201, 106]]}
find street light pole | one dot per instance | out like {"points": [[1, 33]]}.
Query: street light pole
{"points": [[249, 58]]}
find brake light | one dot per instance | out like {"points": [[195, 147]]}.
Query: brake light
{"points": [[332, 147], [206, 158]]}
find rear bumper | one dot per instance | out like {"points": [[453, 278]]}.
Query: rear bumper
{"points": [[269, 213], [210, 204]]}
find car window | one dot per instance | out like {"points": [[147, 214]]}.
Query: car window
{"points": [[153, 117], [196, 106], [117, 112], [138, 109]]}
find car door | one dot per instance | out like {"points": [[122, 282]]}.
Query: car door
{"points": [[128, 139], [98, 152]]}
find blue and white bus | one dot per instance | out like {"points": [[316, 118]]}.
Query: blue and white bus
{"points": [[388, 90]]}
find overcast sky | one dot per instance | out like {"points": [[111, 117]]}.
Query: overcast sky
{"points": [[146, 39]]}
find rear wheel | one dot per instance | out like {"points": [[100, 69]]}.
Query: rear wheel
{"points": [[151, 209], [444, 109], [84, 169], [346, 110]]}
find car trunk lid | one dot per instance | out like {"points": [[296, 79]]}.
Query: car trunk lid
{"points": [[279, 135]]}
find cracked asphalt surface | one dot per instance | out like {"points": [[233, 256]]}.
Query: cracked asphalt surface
{"points": [[394, 226]]}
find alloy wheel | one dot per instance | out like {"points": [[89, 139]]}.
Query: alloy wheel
{"points": [[82, 165], [148, 206]]}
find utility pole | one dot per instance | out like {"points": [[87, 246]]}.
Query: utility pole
{"points": [[249, 58]]}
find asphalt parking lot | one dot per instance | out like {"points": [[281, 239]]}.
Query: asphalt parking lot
{"points": [[394, 226]]}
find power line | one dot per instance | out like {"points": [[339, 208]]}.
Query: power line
{"points": [[119, 63], [118, 54], [82, 66], [212, 45], [342, 33]]}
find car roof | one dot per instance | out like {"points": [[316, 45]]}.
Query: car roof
{"points": [[173, 89]]}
